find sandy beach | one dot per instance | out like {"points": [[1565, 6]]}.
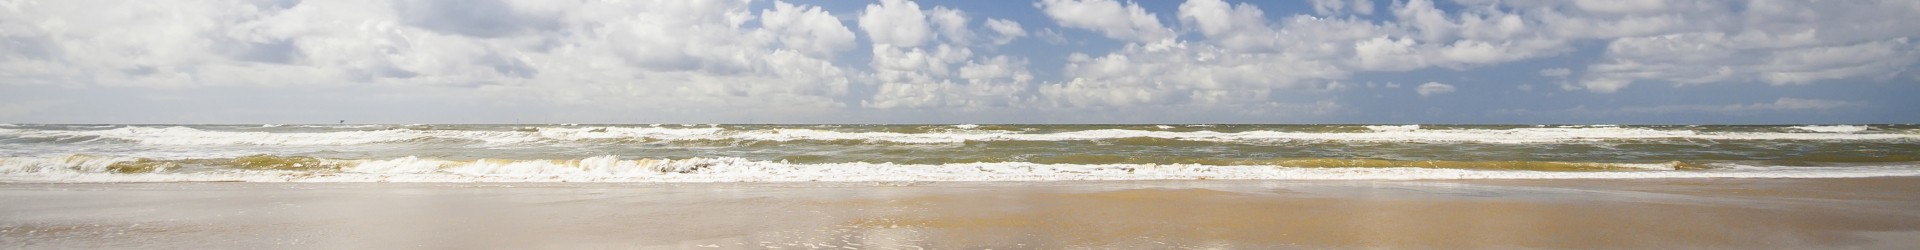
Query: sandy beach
{"points": [[1862, 213]]}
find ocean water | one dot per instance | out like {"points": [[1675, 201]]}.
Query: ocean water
{"points": [[967, 152]]}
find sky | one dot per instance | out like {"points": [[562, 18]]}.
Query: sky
{"points": [[896, 61]]}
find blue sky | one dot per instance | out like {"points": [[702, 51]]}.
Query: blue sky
{"points": [[1047, 61]]}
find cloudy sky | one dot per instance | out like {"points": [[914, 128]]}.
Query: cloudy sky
{"points": [[1046, 61]]}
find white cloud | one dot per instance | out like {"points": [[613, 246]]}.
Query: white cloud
{"points": [[1433, 88], [895, 22], [1127, 22], [1702, 58], [1051, 36], [947, 74], [1240, 64], [1363, 7], [1430, 22], [913, 64], [1168, 72], [1341, 7], [808, 29], [952, 24], [1775, 42], [129, 44], [993, 82], [1245, 55], [1005, 31], [1082, 93], [1781, 104], [664, 56], [688, 56], [1382, 53], [1556, 72], [1240, 27], [1683, 42], [1621, 6]]}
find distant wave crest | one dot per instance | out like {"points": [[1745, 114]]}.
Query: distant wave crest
{"points": [[264, 168], [177, 135]]}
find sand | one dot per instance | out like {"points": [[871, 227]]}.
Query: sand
{"points": [[1864, 213]]}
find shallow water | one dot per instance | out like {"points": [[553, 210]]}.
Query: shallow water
{"points": [[840, 152]]}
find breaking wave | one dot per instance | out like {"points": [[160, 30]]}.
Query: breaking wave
{"points": [[177, 135], [266, 168], [1833, 128]]}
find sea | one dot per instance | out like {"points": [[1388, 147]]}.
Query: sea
{"points": [[63, 153]]}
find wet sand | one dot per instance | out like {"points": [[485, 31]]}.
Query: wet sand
{"points": [[1865, 213]]}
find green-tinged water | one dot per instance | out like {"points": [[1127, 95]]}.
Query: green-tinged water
{"points": [[511, 148]]}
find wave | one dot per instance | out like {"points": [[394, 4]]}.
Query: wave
{"points": [[1401, 133], [189, 136], [83, 168], [1833, 128], [1393, 128]]}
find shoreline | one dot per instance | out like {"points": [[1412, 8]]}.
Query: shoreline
{"points": [[1867, 213]]}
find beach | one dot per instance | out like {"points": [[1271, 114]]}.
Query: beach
{"points": [[1713, 213], [908, 124]]}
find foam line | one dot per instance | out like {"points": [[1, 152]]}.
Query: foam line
{"points": [[1406, 133], [612, 169]]}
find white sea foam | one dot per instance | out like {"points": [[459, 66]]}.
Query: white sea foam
{"points": [[1833, 128], [190, 136], [1401, 133], [967, 126], [1394, 128], [611, 169], [1518, 135]]}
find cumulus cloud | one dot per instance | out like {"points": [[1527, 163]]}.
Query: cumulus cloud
{"points": [[1005, 31], [661, 55], [1051, 36], [1239, 64], [952, 24], [1246, 55], [1781, 104], [1126, 21], [991, 83], [807, 28], [896, 23], [1777, 106], [689, 56], [1433, 88], [1681, 42], [947, 73], [1340, 7], [1773, 42], [1556, 72]]}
